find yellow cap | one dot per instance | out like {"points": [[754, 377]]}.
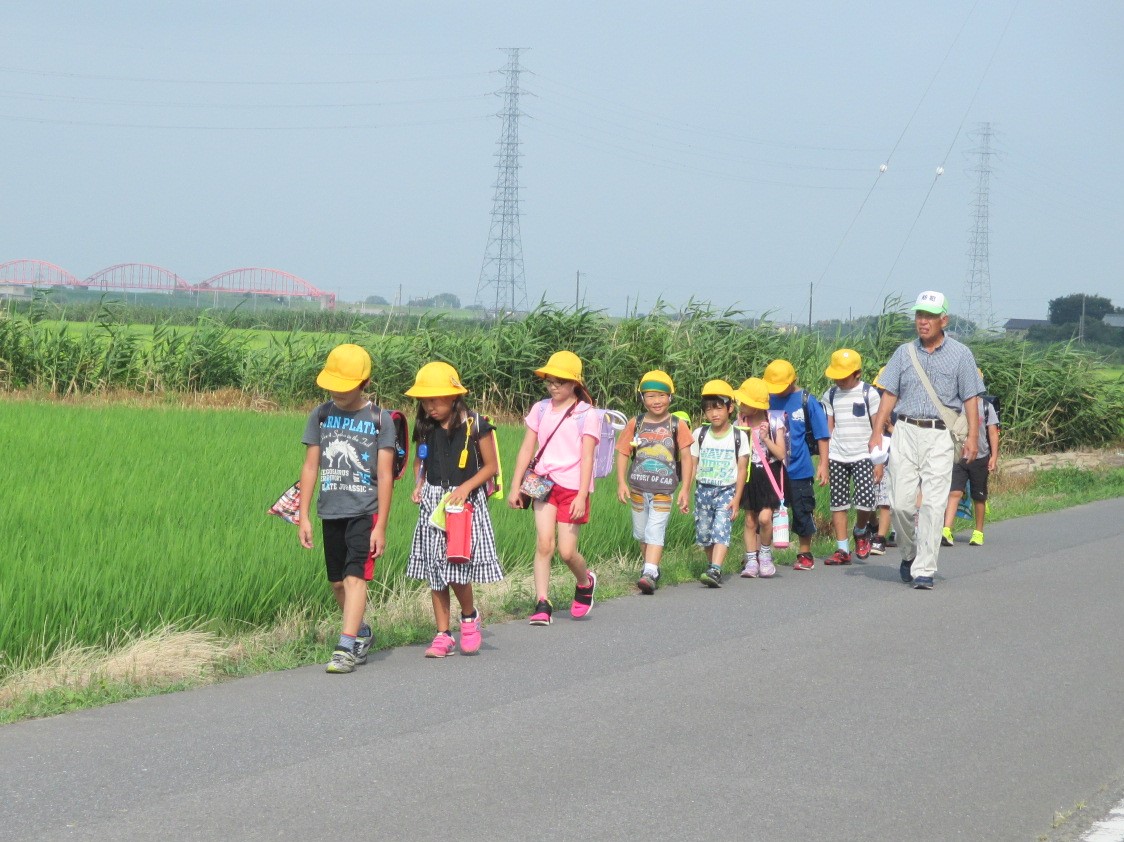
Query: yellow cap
{"points": [[347, 367], [436, 380], [753, 392], [656, 381], [877, 384], [844, 363], [779, 375], [718, 388], [564, 365]]}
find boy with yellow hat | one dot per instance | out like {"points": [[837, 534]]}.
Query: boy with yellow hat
{"points": [[851, 406], [802, 412], [652, 454], [720, 453], [342, 438]]}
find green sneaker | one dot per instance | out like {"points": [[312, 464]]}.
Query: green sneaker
{"points": [[712, 577], [342, 662], [946, 537], [977, 539]]}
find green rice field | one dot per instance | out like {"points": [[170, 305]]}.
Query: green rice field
{"points": [[120, 519]]}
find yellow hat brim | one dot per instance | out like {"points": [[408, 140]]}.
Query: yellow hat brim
{"points": [[335, 383], [560, 373]]}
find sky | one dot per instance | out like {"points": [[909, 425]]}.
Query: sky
{"points": [[722, 152]]}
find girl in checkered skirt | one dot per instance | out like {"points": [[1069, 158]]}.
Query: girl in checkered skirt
{"points": [[456, 456]]}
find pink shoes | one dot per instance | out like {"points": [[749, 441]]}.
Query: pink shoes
{"points": [[442, 646], [470, 635], [583, 598]]}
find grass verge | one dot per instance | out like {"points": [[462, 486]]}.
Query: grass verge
{"points": [[172, 659]]}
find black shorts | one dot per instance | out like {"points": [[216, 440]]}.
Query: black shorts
{"points": [[801, 498], [974, 472], [347, 547]]}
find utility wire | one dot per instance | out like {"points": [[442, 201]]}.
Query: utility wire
{"points": [[886, 163], [940, 169]]}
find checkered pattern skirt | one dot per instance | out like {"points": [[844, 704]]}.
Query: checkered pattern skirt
{"points": [[428, 553]]}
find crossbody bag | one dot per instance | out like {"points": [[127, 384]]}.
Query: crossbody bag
{"points": [[956, 422]]}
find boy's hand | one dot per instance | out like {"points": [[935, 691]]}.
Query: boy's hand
{"points": [[992, 463], [821, 472], [623, 494], [304, 533], [378, 540], [879, 472], [684, 501], [577, 506]]}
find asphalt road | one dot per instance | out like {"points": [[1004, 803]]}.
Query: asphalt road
{"points": [[834, 704]]}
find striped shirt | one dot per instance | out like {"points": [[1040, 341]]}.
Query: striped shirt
{"points": [[951, 369], [852, 421]]}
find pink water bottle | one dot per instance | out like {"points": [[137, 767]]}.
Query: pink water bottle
{"points": [[458, 533]]}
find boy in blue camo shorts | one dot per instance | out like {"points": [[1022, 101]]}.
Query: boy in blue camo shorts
{"points": [[720, 452]]}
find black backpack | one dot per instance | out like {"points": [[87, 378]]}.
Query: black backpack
{"points": [[810, 437]]}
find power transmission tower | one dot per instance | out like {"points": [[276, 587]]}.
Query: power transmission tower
{"points": [[977, 289], [502, 286]]}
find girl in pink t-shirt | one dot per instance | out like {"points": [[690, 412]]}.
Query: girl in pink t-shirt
{"points": [[557, 450]]}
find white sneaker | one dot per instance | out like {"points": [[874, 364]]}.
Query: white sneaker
{"points": [[766, 568], [750, 569]]}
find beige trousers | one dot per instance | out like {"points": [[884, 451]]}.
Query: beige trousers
{"points": [[920, 460]]}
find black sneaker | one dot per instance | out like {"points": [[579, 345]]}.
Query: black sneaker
{"points": [[903, 570], [878, 545], [712, 577]]}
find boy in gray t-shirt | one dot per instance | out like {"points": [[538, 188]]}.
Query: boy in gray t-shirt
{"points": [[350, 448]]}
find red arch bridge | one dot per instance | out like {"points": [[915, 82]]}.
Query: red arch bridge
{"points": [[272, 283]]}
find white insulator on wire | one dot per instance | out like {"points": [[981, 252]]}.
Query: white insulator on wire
{"points": [[883, 168], [940, 171]]}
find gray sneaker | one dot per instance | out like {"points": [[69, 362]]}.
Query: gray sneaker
{"points": [[342, 662], [362, 647]]}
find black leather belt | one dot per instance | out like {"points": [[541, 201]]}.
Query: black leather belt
{"points": [[930, 423]]}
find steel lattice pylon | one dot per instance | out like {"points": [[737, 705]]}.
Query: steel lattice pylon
{"points": [[502, 287], [977, 288]]}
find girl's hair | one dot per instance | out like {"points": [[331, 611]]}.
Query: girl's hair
{"points": [[423, 424]]}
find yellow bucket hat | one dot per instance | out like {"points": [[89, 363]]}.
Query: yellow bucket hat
{"points": [[347, 367], [753, 392], [436, 380], [718, 388], [564, 365], [656, 381], [844, 363], [779, 375]]}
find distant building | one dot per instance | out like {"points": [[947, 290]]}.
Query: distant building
{"points": [[1114, 319], [1019, 327], [16, 291]]}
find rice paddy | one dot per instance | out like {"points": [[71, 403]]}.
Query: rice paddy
{"points": [[121, 519]]}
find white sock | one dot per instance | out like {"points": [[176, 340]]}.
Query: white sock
{"points": [[751, 556], [651, 570], [766, 552]]}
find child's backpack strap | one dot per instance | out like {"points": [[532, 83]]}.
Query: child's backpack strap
{"points": [[323, 411], [636, 432]]}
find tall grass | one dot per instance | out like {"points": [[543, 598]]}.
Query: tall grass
{"points": [[1052, 397]]}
